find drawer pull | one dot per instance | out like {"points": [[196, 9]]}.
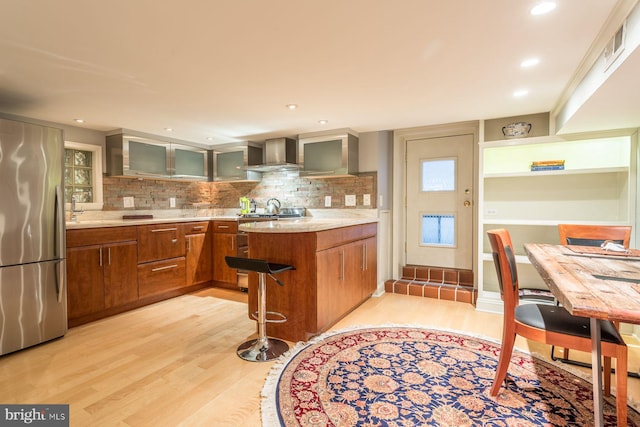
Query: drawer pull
{"points": [[164, 268], [163, 229], [197, 227], [223, 226]]}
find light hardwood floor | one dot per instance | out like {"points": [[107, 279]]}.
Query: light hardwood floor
{"points": [[174, 363]]}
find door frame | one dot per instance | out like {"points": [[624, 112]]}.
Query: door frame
{"points": [[400, 138]]}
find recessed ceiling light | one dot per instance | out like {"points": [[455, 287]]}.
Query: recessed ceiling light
{"points": [[530, 62], [169, 129], [543, 7], [323, 122], [78, 120], [292, 106], [521, 92]]}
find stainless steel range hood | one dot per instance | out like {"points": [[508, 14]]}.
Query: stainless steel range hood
{"points": [[280, 154]]}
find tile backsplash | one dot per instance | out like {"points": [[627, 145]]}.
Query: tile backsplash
{"points": [[291, 189]]}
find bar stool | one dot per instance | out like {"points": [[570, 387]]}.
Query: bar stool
{"points": [[263, 348]]}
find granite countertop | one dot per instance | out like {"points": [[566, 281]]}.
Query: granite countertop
{"points": [[303, 225], [288, 225], [124, 222]]}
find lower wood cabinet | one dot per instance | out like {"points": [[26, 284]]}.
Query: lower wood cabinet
{"points": [[101, 271], [199, 258], [115, 269], [159, 277], [336, 270], [225, 242]]}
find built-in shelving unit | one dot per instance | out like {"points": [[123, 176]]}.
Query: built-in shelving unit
{"points": [[596, 186]]}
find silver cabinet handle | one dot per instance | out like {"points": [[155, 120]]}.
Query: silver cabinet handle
{"points": [[364, 257], [197, 227], [164, 268], [233, 243], [108, 256], [100, 256], [159, 230], [174, 241], [223, 226], [341, 265]]}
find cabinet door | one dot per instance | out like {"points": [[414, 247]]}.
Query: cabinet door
{"points": [[370, 276], [160, 241], [199, 262], [330, 283], [84, 281], [120, 261], [224, 244]]}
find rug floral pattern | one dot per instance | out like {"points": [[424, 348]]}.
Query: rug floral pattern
{"points": [[418, 377]]}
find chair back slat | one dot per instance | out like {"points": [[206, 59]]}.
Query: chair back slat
{"points": [[506, 269]]}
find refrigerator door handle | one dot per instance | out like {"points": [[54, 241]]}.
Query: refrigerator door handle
{"points": [[59, 223], [61, 266]]}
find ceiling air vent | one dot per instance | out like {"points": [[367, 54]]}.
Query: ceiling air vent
{"points": [[615, 46]]}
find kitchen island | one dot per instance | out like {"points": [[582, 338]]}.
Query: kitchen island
{"points": [[336, 270]]}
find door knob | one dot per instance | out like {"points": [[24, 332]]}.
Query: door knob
{"points": [[467, 203]]}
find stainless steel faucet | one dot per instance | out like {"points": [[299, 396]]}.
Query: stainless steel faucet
{"points": [[74, 211]]}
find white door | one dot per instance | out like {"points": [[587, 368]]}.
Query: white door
{"points": [[439, 209]]}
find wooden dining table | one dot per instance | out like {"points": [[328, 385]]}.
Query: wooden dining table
{"points": [[594, 283]]}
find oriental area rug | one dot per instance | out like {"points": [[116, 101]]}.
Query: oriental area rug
{"points": [[410, 376]]}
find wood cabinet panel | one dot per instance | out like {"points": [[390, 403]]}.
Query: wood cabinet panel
{"points": [[199, 260], [85, 285], [224, 244], [98, 236], [120, 262], [160, 241], [161, 276]]}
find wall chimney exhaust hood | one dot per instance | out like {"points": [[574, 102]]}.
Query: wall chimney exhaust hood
{"points": [[280, 154]]}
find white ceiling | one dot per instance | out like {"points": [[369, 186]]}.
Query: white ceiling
{"points": [[226, 69]]}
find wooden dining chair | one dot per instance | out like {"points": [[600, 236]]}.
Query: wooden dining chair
{"points": [[593, 235], [551, 325], [590, 235]]}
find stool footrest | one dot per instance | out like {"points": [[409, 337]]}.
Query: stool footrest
{"points": [[281, 318]]}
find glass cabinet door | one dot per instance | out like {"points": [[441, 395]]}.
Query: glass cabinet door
{"points": [[190, 163], [145, 158]]}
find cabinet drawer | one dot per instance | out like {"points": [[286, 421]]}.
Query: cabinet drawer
{"points": [[225, 227], [161, 276], [98, 236], [160, 241], [196, 227]]}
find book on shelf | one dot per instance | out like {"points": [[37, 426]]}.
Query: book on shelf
{"points": [[547, 168], [547, 165]]}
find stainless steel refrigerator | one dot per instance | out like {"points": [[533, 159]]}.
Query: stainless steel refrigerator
{"points": [[33, 301]]}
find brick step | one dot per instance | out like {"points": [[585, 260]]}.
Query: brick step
{"points": [[432, 282]]}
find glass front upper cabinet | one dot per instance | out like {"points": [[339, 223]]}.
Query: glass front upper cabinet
{"points": [[328, 155], [190, 163], [142, 157], [231, 161]]}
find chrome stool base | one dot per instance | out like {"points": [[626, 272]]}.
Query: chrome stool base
{"points": [[262, 350]]}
